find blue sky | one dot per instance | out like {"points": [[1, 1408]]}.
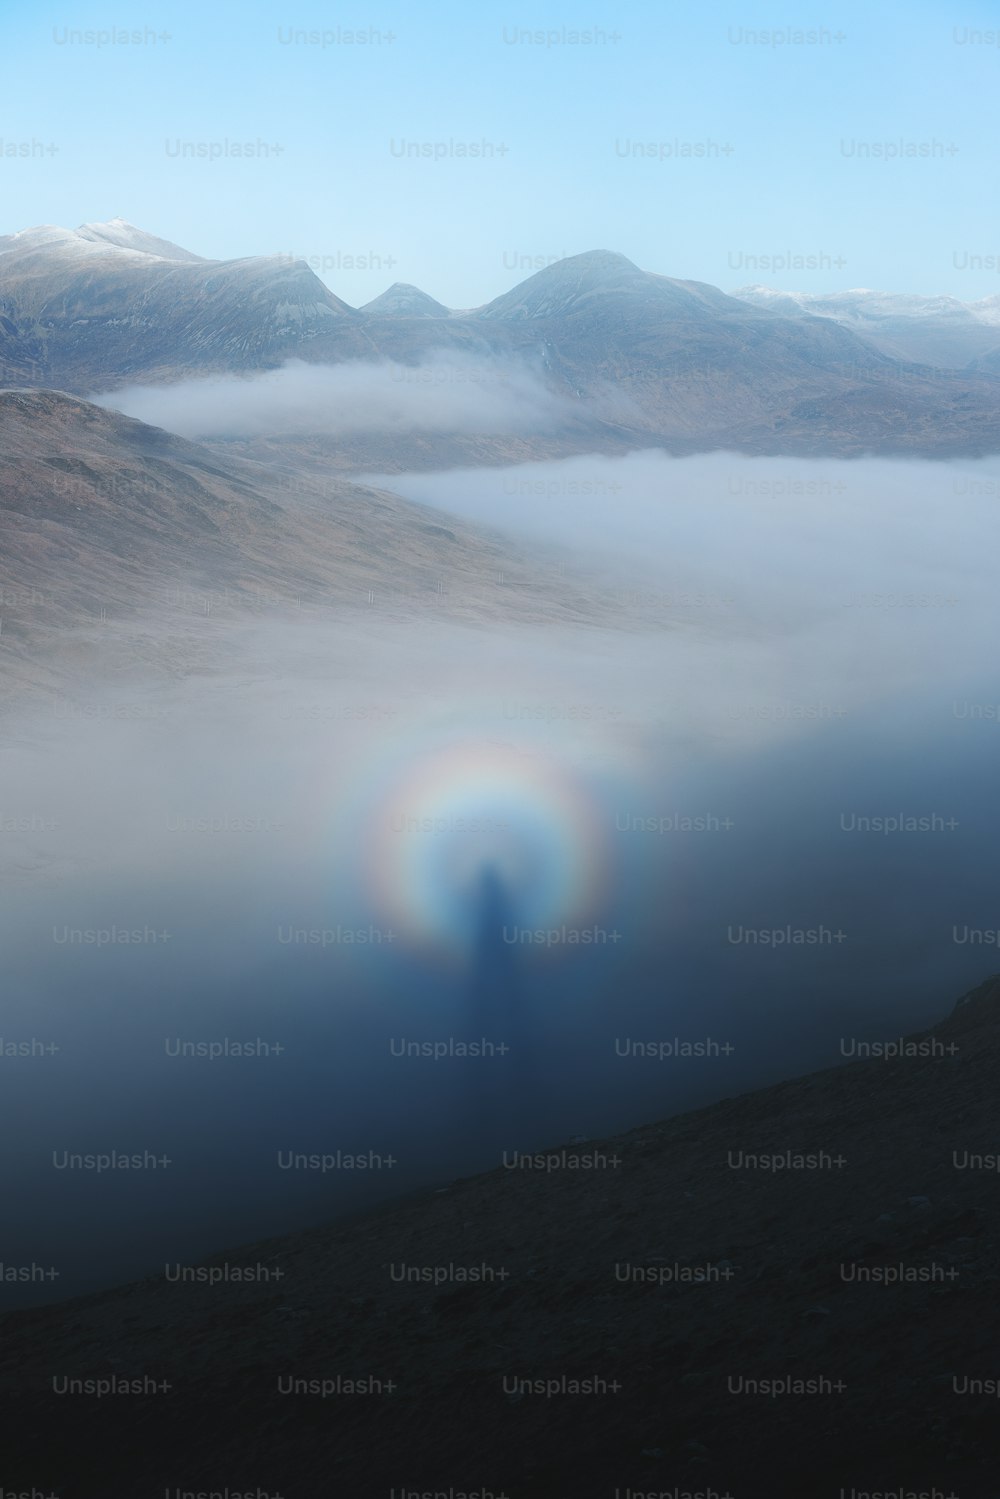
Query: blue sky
{"points": [[775, 132]]}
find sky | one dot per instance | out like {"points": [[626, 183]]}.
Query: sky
{"points": [[755, 130]]}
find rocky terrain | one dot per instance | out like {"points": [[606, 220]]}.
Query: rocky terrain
{"points": [[840, 1231]]}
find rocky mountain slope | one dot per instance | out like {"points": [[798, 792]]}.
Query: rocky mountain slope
{"points": [[790, 1292], [105, 520]]}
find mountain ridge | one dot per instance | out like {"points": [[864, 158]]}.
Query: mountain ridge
{"points": [[647, 360]]}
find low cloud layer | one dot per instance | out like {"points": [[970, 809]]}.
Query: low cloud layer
{"points": [[859, 579], [445, 394]]}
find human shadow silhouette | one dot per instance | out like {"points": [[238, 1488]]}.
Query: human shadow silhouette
{"points": [[499, 1096]]}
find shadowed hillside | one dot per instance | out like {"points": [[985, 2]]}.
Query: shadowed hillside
{"points": [[840, 1230]]}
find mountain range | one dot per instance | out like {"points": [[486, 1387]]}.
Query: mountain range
{"points": [[644, 358], [927, 330]]}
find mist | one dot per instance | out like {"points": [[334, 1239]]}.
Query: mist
{"points": [[444, 393], [830, 661]]}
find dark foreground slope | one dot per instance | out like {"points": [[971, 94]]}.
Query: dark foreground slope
{"points": [[780, 1295]]}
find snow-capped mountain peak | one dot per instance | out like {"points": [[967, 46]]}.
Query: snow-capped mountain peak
{"points": [[125, 236]]}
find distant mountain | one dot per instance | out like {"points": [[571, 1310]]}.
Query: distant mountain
{"points": [[987, 309], [583, 284], [925, 330], [788, 1293], [402, 300], [646, 359]]}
